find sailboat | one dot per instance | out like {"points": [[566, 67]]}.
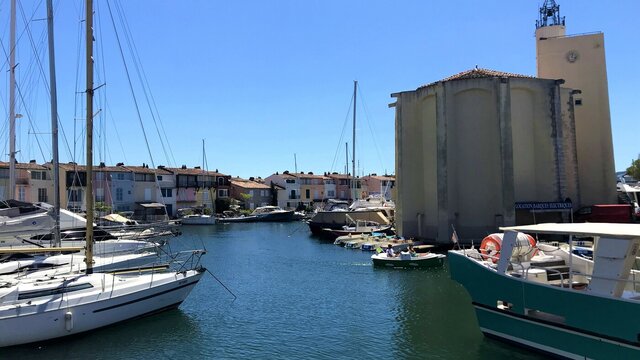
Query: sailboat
{"points": [[33, 310], [326, 220], [191, 216]]}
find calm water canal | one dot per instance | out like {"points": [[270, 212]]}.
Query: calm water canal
{"points": [[298, 297]]}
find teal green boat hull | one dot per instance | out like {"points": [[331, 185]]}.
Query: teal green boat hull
{"points": [[554, 320]]}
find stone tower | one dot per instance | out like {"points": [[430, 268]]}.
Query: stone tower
{"points": [[580, 61]]}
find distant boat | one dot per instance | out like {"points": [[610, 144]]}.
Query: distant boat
{"points": [[273, 213], [337, 214], [197, 219], [261, 214], [405, 260], [540, 297], [357, 227]]}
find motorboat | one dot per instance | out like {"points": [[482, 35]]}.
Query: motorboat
{"points": [[198, 219], [19, 220], [272, 213], [542, 297], [407, 260], [336, 214], [357, 227]]}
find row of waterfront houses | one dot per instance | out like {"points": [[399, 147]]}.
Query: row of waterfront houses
{"points": [[146, 192]]}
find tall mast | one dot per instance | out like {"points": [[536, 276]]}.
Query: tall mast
{"points": [[12, 102], [353, 152], [89, 194], [346, 152], [54, 127]]}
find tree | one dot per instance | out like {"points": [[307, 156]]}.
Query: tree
{"points": [[245, 199], [634, 169]]}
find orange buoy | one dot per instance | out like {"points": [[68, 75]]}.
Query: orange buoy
{"points": [[491, 245]]}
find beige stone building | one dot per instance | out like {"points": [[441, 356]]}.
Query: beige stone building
{"points": [[472, 146]]}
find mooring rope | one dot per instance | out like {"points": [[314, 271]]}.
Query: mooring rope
{"points": [[223, 285]]}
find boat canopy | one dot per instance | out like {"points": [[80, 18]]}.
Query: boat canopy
{"points": [[613, 230]]}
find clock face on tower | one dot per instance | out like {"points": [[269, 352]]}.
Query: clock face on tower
{"points": [[572, 56]]}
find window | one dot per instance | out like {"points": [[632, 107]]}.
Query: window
{"points": [[144, 177], [99, 176], [578, 102], [99, 194], [251, 193], [147, 194], [75, 195], [38, 175], [167, 192], [119, 194], [331, 193], [220, 181], [42, 195], [54, 291], [159, 177], [120, 176], [223, 193], [290, 181], [307, 193]]}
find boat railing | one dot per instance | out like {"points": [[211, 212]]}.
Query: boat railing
{"points": [[631, 283]]}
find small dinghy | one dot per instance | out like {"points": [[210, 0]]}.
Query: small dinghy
{"points": [[406, 260]]}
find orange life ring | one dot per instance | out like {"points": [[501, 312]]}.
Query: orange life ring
{"points": [[491, 245]]}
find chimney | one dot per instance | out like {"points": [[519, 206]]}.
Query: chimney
{"points": [[183, 167], [197, 167], [102, 164], [32, 161], [161, 167], [252, 178], [120, 164]]}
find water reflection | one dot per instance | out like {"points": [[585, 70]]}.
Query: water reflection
{"points": [[297, 297]]}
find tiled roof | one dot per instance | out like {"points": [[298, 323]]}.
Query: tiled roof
{"points": [[248, 184], [29, 166], [193, 171], [479, 73], [380, 177], [339, 176], [146, 170], [308, 176]]}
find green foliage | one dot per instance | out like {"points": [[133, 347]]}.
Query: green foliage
{"points": [[634, 169], [101, 206]]}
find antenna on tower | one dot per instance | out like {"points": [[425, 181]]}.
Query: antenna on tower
{"points": [[549, 15]]}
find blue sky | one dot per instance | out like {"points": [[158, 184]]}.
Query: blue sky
{"points": [[264, 80]]}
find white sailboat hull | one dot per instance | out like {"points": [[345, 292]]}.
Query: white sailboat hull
{"points": [[122, 298]]}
